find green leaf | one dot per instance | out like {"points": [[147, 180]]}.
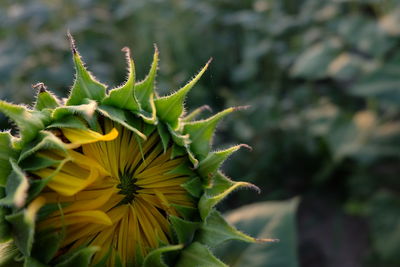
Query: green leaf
{"points": [[165, 137], [80, 258], [346, 66], [85, 85], [154, 258], [170, 108], [29, 122], [198, 255], [23, 226], [182, 169], [16, 188], [147, 129], [45, 140], [195, 113], [221, 183], [263, 220], [48, 209], [149, 117], [86, 110], [6, 152], [46, 245], [215, 230], [138, 257], [36, 162], [194, 186], [124, 97], [69, 121], [45, 99], [201, 132], [37, 185], [214, 160], [184, 230], [5, 230], [313, 63], [182, 140], [118, 261], [23, 230], [177, 151], [103, 261], [32, 262], [381, 84], [188, 213], [179, 139], [144, 90], [125, 118], [220, 187]]}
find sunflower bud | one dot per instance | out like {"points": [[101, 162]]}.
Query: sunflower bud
{"points": [[113, 178]]}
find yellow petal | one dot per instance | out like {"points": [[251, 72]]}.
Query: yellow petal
{"points": [[79, 137], [85, 161], [91, 216], [65, 184], [88, 204], [34, 207], [104, 241], [79, 231]]}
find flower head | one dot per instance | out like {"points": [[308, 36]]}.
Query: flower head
{"points": [[118, 191], [117, 178]]}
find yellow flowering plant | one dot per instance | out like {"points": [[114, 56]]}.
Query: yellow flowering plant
{"points": [[112, 178]]}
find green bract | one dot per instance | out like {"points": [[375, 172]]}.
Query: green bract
{"points": [[136, 108]]}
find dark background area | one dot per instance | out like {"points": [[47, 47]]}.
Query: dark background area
{"points": [[322, 79]]}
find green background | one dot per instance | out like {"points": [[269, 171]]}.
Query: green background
{"points": [[323, 82]]}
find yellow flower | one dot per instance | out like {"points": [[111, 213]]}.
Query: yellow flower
{"points": [[119, 177], [117, 192]]}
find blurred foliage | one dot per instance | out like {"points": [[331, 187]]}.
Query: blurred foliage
{"points": [[322, 79], [273, 219]]}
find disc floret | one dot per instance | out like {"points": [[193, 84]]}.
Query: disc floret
{"points": [[127, 187]]}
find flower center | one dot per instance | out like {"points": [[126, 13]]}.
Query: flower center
{"points": [[127, 187]]}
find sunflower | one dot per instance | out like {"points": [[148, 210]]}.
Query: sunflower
{"points": [[117, 178], [117, 191]]}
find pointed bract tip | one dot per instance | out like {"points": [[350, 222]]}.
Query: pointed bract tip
{"points": [[72, 42], [246, 146], [241, 108], [128, 57], [206, 107], [127, 51], [210, 60], [40, 87], [254, 187], [265, 240], [155, 48]]}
